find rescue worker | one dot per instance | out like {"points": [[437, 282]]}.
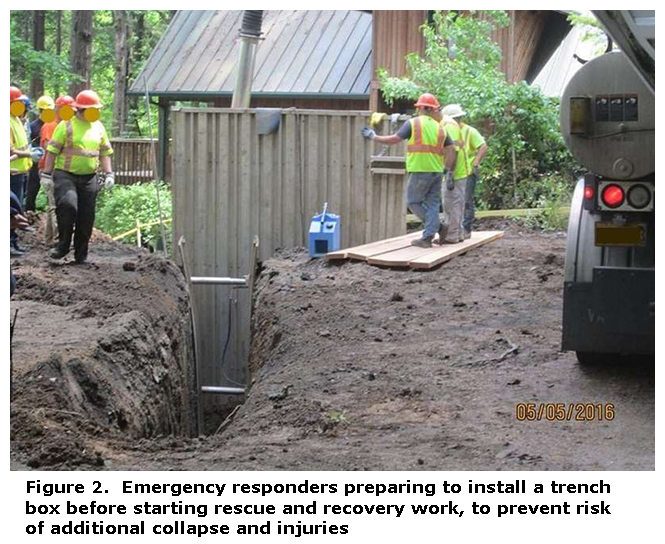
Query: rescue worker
{"points": [[77, 148], [458, 200], [24, 156], [427, 145], [63, 111], [46, 108]]}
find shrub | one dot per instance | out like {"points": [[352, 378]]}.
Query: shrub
{"points": [[119, 209]]}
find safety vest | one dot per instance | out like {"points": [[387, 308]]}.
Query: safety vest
{"points": [[461, 136], [19, 141], [83, 143], [424, 149]]}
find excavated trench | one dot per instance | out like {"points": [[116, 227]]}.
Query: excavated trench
{"points": [[101, 355]]}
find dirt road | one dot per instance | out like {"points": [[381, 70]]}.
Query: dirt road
{"points": [[361, 368]]}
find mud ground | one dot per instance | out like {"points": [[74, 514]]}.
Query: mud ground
{"points": [[362, 368]]}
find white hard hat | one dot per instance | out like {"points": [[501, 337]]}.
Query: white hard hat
{"points": [[453, 110]]}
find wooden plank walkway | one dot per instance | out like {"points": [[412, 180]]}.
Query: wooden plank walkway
{"points": [[398, 252]]}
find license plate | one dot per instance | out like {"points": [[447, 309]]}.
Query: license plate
{"points": [[608, 234]]}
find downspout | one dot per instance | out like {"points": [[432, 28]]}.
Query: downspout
{"points": [[250, 33]]}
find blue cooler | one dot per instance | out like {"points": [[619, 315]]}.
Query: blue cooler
{"points": [[324, 233]]}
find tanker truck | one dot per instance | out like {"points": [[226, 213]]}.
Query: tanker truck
{"points": [[608, 123]]}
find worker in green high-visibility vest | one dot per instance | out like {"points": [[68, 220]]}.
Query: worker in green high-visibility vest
{"points": [[427, 148]]}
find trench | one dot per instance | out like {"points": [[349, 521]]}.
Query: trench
{"points": [[102, 357]]}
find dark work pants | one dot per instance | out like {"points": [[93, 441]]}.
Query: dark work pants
{"points": [[75, 201], [33, 188], [17, 185]]}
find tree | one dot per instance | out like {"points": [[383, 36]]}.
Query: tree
{"points": [[81, 50], [121, 71], [38, 32]]}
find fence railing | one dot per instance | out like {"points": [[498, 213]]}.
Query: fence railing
{"points": [[132, 160]]}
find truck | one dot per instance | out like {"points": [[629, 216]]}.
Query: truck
{"points": [[608, 124]]}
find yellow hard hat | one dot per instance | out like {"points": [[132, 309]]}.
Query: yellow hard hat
{"points": [[45, 103]]}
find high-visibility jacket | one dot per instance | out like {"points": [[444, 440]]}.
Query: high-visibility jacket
{"points": [[78, 145], [18, 140], [424, 149], [467, 140]]}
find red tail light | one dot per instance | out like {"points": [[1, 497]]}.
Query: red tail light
{"points": [[588, 192], [613, 196]]}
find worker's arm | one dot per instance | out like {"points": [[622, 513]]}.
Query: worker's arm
{"points": [[480, 155], [49, 162], [450, 155], [388, 140], [106, 164]]}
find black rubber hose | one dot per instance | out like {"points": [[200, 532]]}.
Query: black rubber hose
{"points": [[251, 22]]}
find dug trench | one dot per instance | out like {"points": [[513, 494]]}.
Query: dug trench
{"points": [[353, 368]]}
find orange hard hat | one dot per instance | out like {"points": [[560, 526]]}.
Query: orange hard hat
{"points": [[64, 100], [428, 100], [14, 94], [87, 99]]}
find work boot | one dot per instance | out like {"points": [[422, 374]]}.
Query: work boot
{"points": [[58, 253], [443, 231], [466, 235], [422, 242]]}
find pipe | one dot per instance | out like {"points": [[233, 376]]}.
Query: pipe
{"points": [[250, 33], [223, 390], [241, 282]]}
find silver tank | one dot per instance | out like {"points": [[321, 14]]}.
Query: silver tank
{"points": [[613, 131]]}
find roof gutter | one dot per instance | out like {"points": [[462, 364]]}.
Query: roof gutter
{"points": [[211, 95]]}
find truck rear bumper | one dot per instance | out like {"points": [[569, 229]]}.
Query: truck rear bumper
{"points": [[612, 314]]}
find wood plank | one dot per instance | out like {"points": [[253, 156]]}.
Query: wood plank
{"points": [[392, 243], [388, 171], [445, 253]]}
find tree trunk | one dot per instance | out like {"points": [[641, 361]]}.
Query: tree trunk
{"points": [[38, 30], [121, 71], [81, 50], [58, 46]]}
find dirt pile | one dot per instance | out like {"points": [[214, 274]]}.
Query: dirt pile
{"points": [[102, 354]]}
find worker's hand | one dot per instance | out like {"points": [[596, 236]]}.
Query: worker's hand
{"points": [[36, 153], [17, 221], [368, 133], [450, 181], [109, 180], [46, 181], [476, 170]]}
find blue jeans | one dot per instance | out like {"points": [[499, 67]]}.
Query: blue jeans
{"points": [[423, 196], [469, 203], [17, 185]]}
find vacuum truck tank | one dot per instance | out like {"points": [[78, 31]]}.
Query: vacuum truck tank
{"points": [[608, 123]]}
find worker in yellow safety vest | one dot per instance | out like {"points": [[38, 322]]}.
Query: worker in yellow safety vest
{"points": [[76, 150], [24, 155], [458, 200], [427, 147]]}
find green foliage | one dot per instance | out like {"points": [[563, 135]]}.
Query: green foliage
{"points": [[521, 125], [26, 62], [119, 209]]}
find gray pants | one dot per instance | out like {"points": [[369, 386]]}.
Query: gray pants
{"points": [[423, 196], [469, 203], [453, 209]]}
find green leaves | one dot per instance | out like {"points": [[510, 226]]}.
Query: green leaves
{"points": [[119, 209]]}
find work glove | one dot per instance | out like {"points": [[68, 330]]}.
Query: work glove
{"points": [[46, 181], [109, 180], [36, 153], [368, 133], [450, 181]]}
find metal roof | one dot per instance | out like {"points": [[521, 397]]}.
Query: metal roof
{"points": [[304, 53]]}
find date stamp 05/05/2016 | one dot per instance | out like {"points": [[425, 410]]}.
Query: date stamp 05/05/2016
{"points": [[562, 411]]}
